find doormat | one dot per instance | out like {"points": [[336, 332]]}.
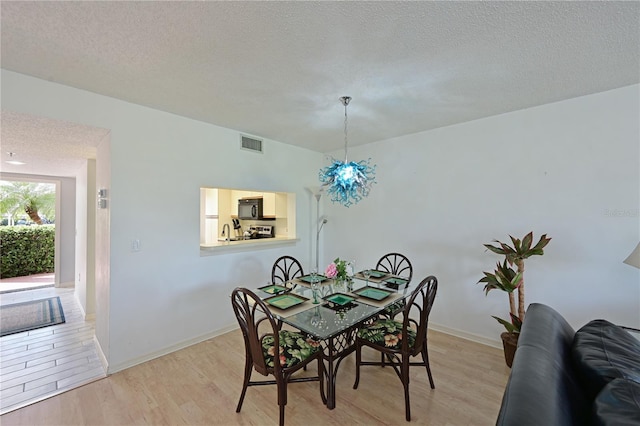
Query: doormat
{"points": [[30, 315]]}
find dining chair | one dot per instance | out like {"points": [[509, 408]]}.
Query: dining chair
{"points": [[400, 341], [261, 336], [396, 264], [286, 268], [399, 265]]}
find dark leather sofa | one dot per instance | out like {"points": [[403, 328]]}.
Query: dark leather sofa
{"points": [[563, 377]]}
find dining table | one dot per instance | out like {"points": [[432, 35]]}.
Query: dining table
{"points": [[332, 311]]}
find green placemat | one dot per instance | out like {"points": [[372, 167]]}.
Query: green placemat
{"points": [[373, 293], [285, 301]]}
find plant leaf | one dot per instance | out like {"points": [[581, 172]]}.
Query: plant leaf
{"points": [[516, 321], [526, 242], [507, 248], [503, 278], [507, 325], [494, 249], [516, 244], [541, 244]]}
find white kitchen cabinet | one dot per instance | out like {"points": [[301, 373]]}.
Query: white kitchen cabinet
{"points": [[211, 201], [208, 217], [269, 204], [281, 202], [236, 194]]}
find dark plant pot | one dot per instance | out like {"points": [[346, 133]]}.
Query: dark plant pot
{"points": [[509, 343]]}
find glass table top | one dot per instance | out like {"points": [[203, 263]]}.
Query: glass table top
{"points": [[325, 319]]}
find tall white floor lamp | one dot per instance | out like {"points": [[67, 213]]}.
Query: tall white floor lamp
{"points": [[320, 221]]}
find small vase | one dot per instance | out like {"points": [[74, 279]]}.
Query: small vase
{"points": [[339, 284]]}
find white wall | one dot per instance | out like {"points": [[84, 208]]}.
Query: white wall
{"points": [[103, 254], [166, 295], [66, 224], [85, 238], [569, 169], [80, 289]]}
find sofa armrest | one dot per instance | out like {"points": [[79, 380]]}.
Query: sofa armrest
{"points": [[543, 388]]}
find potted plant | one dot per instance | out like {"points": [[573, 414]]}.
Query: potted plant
{"points": [[505, 278]]}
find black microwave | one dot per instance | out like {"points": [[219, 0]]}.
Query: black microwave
{"points": [[250, 208]]}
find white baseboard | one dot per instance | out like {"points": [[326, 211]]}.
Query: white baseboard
{"points": [[103, 359], [170, 349], [467, 336], [87, 317], [186, 343], [84, 314]]}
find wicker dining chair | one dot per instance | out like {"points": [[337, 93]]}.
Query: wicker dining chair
{"points": [[286, 268], [261, 336], [399, 265], [399, 341], [396, 264]]}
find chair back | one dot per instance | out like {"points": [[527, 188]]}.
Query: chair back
{"points": [[396, 264], [417, 310], [250, 312], [286, 268]]}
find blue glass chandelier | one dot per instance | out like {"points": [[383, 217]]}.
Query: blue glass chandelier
{"points": [[347, 182]]}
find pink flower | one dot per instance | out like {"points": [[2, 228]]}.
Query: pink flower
{"points": [[331, 271], [313, 343], [390, 340], [272, 350]]}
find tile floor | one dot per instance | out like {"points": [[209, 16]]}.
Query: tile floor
{"points": [[41, 363], [8, 285]]}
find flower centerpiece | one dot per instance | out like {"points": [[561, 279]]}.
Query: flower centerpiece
{"points": [[337, 270]]}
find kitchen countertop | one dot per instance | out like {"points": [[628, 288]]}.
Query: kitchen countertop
{"points": [[218, 247]]}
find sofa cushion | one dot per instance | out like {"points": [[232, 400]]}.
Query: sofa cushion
{"points": [[618, 404], [602, 352]]}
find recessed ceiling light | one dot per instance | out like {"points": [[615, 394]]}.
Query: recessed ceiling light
{"points": [[14, 162]]}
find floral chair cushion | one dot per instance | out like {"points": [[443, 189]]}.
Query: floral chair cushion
{"points": [[394, 309], [387, 333], [294, 348]]}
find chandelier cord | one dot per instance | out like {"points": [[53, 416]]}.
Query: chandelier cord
{"points": [[345, 101]]}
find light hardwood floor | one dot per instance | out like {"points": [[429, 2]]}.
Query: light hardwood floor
{"points": [[200, 385], [47, 361]]}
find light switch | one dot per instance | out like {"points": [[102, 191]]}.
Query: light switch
{"points": [[135, 245]]}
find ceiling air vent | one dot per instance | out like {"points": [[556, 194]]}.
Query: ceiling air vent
{"points": [[250, 144]]}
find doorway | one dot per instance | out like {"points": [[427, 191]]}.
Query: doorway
{"points": [[28, 208]]}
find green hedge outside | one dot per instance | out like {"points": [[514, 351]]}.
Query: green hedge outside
{"points": [[26, 250]]}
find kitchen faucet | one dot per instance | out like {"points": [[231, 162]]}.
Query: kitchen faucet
{"points": [[228, 234]]}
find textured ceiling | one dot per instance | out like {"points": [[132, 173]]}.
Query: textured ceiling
{"points": [[48, 147], [277, 69]]}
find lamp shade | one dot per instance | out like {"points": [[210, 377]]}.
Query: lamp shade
{"points": [[634, 257]]}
